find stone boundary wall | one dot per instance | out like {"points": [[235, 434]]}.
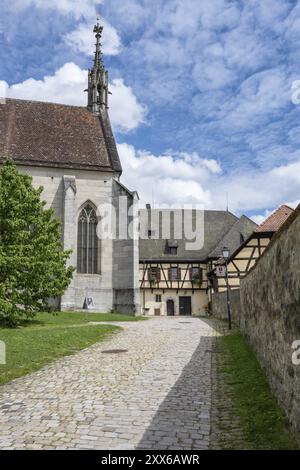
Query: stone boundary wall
{"points": [[219, 305], [267, 311], [270, 314]]}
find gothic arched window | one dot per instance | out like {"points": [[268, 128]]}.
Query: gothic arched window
{"points": [[87, 241]]}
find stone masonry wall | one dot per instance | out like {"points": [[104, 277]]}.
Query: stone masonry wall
{"points": [[270, 314], [66, 191], [125, 279], [219, 305]]}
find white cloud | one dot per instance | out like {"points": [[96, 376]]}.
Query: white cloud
{"points": [[169, 179], [217, 43], [82, 38], [260, 218], [78, 8], [271, 13], [180, 178], [260, 95], [185, 17], [67, 86], [226, 59], [293, 204], [128, 13], [125, 110], [3, 90], [212, 75]]}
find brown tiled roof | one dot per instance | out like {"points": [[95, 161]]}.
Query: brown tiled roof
{"points": [[48, 134], [275, 220]]}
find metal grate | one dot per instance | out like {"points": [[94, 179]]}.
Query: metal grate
{"points": [[114, 351]]}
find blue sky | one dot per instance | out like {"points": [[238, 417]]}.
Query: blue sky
{"points": [[202, 90]]}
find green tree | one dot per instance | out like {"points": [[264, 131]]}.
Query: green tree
{"points": [[33, 265]]}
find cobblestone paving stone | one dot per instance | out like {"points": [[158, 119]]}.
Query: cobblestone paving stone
{"points": [[155, 396]]}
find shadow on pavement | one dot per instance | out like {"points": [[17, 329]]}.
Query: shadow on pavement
{"points": [[182, 421]]}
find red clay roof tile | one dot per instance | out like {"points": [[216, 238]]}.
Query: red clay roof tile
{"points": [[275, 220]]}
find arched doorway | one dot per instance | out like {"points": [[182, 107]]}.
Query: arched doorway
{"points": [[170, 308]]}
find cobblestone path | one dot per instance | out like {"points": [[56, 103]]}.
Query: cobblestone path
{"points": [[157, 395]]}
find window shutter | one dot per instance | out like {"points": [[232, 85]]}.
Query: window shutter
{"points": [[201, 274], [179, 274], [158, 275], [169, 274], [149, 274], [191, 274]]}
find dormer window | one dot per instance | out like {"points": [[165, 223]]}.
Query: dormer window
{"points": [[172, 250], [171, 247]]}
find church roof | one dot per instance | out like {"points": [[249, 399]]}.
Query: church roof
{"points": [[214, 227], [56, 135]]}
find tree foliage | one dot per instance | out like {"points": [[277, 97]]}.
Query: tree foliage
{"points": [[33, 265]]}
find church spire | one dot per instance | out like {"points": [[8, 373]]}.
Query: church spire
{"points": [[98, 54], [98, 77]]}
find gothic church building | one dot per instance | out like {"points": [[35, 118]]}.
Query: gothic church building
{"points": [[71, 152]]}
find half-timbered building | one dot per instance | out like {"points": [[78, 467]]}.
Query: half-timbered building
{"points": [[246, 255], [173, 275]]}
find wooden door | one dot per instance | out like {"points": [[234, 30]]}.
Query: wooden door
{"points": [[170, 308], [185, 306]]}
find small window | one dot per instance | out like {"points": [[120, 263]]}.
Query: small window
{"points": [[174, 274], [158, 298], [196, 275], [154, 275], [172, 250], [195, 271]]}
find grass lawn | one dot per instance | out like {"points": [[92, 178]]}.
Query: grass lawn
{"points": [[48, 337], [76, 318], [263, 423]]}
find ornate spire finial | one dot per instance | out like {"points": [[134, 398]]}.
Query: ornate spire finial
{"points": [[98, 77], [98, 34], [98, 29]]}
